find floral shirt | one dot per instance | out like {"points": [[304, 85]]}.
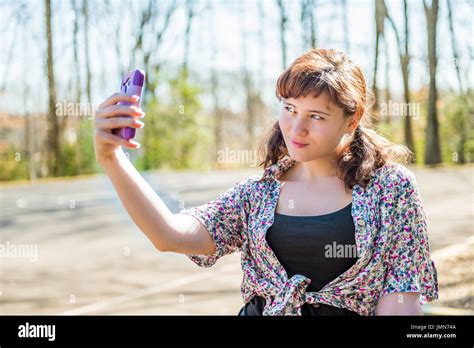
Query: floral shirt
{"points": [[390, 234]]}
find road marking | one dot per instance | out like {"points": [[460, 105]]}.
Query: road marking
{"points": [[94, 307]]}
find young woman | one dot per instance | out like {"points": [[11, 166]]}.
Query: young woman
{"points": [[334, 225]]}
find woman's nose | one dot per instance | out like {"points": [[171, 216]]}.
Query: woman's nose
{"points": [[298, 126]]}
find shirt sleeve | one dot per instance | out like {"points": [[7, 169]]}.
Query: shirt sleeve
{"points": [[225, 219], [409, 267]]}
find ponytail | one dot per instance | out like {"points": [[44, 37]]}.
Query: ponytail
{"points": [[272, 146], [366, 152]]}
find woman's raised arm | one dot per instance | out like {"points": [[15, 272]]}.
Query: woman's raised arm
{"points": [[167, 231]]}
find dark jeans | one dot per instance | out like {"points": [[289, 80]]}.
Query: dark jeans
{"points": [[256, 305]]}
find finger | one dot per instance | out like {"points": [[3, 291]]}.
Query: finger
{"points": [[118, 110], [118, 122], [110, 138], [116, 97]]}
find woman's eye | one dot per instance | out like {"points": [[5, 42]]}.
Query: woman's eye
{"points": [[318, 117], [291, 110]]}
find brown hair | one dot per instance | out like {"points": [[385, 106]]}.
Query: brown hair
{"points": [[332, 72]]}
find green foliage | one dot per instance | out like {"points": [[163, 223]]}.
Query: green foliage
{"points": [[173, 136], [457, 134], [79, 157], [85, 148], [13, 166]]}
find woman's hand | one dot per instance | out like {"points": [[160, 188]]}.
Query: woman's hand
{"points": [[109, 116]]}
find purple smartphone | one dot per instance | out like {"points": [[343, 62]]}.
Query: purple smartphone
{"points": [[132, 84]]}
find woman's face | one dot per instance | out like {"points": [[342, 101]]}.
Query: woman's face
{"points": [[315, 122]]}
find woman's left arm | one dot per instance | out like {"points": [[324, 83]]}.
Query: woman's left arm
{"points": [[399, 303], [410, 277]]}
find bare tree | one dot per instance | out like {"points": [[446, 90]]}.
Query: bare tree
{"points": [[283, 24], [260, 90], [308, 23], [345, 22], [218, 117], [85, 14], [190, 12], [146, 17], [23, 20], [53, 138], [262, 45], [432, 149], [75, 44], [404, 56], [454, 45], [380, 15], [462, 123], [387, 94], [14, 40], [118, 50], [247, 81], [149, 17]]}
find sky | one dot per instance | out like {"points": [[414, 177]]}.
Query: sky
{"points": [[25, 83]]}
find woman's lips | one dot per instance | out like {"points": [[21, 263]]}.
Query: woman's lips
{"points": [[298, 145]]}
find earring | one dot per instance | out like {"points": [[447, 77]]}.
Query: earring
{"points": [[346, 137]]}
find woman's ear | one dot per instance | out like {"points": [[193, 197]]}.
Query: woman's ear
{"points": [[353, 123]]}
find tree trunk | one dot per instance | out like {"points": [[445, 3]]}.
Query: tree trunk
{"points": [[462, 127], [218, 120], [380, 15], [75, 44], [187, 34], [404, 57], [283, 22], [345, 21], [454, 46], [388, 95], [28, 148], [404, 63], [376, 107], [261, 46], [53, 140], [85, 13], [308, 24], [313, 23], [152, 68], [247, 82], [432, 149]]}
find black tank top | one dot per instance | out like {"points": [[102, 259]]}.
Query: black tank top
{"points": [[319, 247]]}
